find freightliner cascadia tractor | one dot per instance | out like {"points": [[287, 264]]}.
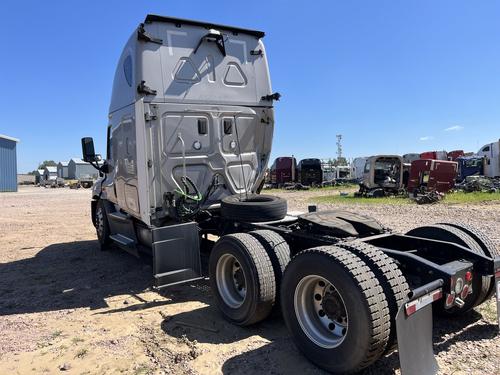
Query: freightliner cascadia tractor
{"points": [[188, 142]]}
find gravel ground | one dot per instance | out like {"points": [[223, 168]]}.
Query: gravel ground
{"points": [[66, 306]]}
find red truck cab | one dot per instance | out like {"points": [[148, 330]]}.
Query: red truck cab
{"points": [[434, 155], [455, 154], [283, 171], [429, 174]]}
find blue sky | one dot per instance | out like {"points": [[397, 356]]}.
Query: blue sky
{"points": [[390, 76]]}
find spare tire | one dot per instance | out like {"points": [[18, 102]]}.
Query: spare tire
{"points": [[253, 208]]}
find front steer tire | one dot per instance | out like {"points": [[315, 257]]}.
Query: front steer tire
{"points": [[365, 307], [102, 225], [242, 279]]}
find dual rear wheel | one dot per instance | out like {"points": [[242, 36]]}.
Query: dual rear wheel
{"points": [[339, 302], [333, 303], [245, 272]]}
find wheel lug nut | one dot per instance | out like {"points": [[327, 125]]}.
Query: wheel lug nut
{"points": [[331, 326], [317, 297], [321, 313], [344, 331], [321, 283]]}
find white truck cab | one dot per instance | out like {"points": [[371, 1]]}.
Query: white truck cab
{"points": [[190, 122], [491, 153]]}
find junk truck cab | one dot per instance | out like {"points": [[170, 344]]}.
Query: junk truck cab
{"points": [[491, 153], [432, 175], [188, 141]]}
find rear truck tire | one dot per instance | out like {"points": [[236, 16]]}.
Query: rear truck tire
{"points": [[480, 285], [102, 225], [242, 279], [487, 245], [278, 251], [390, 277], [335, 309], [253, 208]]}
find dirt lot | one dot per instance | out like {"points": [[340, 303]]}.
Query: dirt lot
{"points": [[68, 307]]}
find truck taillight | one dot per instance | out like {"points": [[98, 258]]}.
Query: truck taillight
{"points": [[450, 299], [459, 285], [468, 276], [465, 291]]}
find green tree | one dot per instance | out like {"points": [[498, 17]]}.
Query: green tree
{"points": [[341, 161], [47, 163]]}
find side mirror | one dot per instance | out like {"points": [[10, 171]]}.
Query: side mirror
{"points": [[105, 168], [88, 151]]}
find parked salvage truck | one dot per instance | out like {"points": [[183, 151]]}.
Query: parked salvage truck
{"points": [[358, 168], [189, 136], [470, 166], [491, 152], [309, 172], [383, 175], [432, 175], [408, 158], [434, 155], [283, 171]]}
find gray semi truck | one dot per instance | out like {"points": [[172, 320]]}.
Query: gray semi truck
{"points": [[188, 142]]}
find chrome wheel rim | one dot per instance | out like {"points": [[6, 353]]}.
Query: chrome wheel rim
{"points": [[100, 223], [321, 311], [231, 282]]}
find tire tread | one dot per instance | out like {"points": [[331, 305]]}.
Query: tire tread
{"points": [[368, 284]]}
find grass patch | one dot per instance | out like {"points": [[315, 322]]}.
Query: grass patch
{"points": [[143, 369], [55, 334], [81, 353], [326, 188], [450, 198], [350, 199], [76, 340], [476, 197]]}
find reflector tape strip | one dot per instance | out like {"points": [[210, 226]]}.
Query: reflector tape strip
{"points": [[413, 306]]}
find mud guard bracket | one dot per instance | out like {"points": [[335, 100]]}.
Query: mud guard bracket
{"points": [[176, 254], [414, 331]]}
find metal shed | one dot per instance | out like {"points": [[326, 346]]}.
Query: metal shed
{"points": [[77, 169], [8, 163], [62, 169], [39, 176], [50, 173]]}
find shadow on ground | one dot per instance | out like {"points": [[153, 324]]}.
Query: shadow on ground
{"points": [[76, 274], [278, 354]]}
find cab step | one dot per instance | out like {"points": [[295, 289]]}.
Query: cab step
{"points": [[126, 243]]}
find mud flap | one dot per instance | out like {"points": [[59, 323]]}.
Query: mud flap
{"points": [[176, 254], [497, 286], [414, 332]]}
